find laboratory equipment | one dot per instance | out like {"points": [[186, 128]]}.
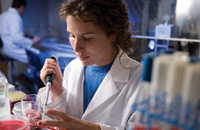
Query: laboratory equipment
{"points": [[4, 97], [31, 108], [174, 101], [14, 122], [49, 82]]}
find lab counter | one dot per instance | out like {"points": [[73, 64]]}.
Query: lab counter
{"points": [[54, 46], [63, 51]]}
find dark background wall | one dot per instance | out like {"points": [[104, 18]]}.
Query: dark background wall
{"points": [[42, 18]]}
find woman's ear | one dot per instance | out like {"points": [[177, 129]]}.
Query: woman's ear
{"points": [[113, 37]]}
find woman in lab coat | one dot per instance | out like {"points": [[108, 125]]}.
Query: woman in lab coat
{"points": [[100, 86]]}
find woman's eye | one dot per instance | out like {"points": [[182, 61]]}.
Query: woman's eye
{"points": [[87, 39], [71, 36]]}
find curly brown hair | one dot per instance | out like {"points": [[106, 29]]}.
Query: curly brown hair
{"points": [[110, 16]]}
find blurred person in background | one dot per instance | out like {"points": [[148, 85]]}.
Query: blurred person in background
{"points": [[12, 32]]}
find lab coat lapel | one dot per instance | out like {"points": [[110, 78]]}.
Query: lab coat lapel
{"points": [[108, 87]]}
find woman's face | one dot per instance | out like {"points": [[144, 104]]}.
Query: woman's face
{"points": [[90, 44]]}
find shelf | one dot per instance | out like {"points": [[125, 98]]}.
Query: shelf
{"points": [[162, 38]]}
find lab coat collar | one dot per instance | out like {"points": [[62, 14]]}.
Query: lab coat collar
{"points": [[108, 87], [13, 10], [118, 71]]}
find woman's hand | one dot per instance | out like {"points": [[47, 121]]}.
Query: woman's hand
{"points": [[52, 66], [67, 122]]}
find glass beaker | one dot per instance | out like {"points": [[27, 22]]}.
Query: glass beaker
{"points": [[4, 98], [31, 109]]}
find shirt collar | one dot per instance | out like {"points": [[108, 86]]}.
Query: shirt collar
{"points": [[13, 10]]}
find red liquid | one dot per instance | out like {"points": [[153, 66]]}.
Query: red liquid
{"points": [[142, 127], [13, 124], [33, 116], [175, 128]]}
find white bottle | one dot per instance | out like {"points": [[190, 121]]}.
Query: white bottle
{"points": [[176, 75], [191, 87], [159, 74], [158, 83], [4, 97]]}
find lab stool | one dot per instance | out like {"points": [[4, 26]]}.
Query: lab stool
{"points": [[11, 69]]}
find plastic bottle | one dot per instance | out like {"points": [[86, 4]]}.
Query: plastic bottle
{"points": [[176, 74], [4, 97], [190, 114], [159, 74], [140, 117]]}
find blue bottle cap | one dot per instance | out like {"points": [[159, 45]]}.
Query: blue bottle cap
{"points": [[147, 68], [194, 59]]}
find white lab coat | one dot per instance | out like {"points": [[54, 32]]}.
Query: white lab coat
{"points": [[111, 104], [12, 35]]}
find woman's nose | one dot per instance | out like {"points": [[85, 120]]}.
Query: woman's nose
{"points": [[78, 46]]}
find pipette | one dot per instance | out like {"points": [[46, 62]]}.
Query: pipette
{"points": [[49, 82]]}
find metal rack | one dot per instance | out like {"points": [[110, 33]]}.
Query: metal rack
{"points": [[156, 114]]}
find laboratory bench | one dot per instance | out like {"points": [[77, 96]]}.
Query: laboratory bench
{"points": [[29, 81], [63, 52]]}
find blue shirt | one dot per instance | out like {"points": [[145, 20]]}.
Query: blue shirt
{"points": [[94, 75]]}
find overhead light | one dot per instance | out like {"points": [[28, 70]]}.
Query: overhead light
{"points": [[151, 45], [182, 6]]}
